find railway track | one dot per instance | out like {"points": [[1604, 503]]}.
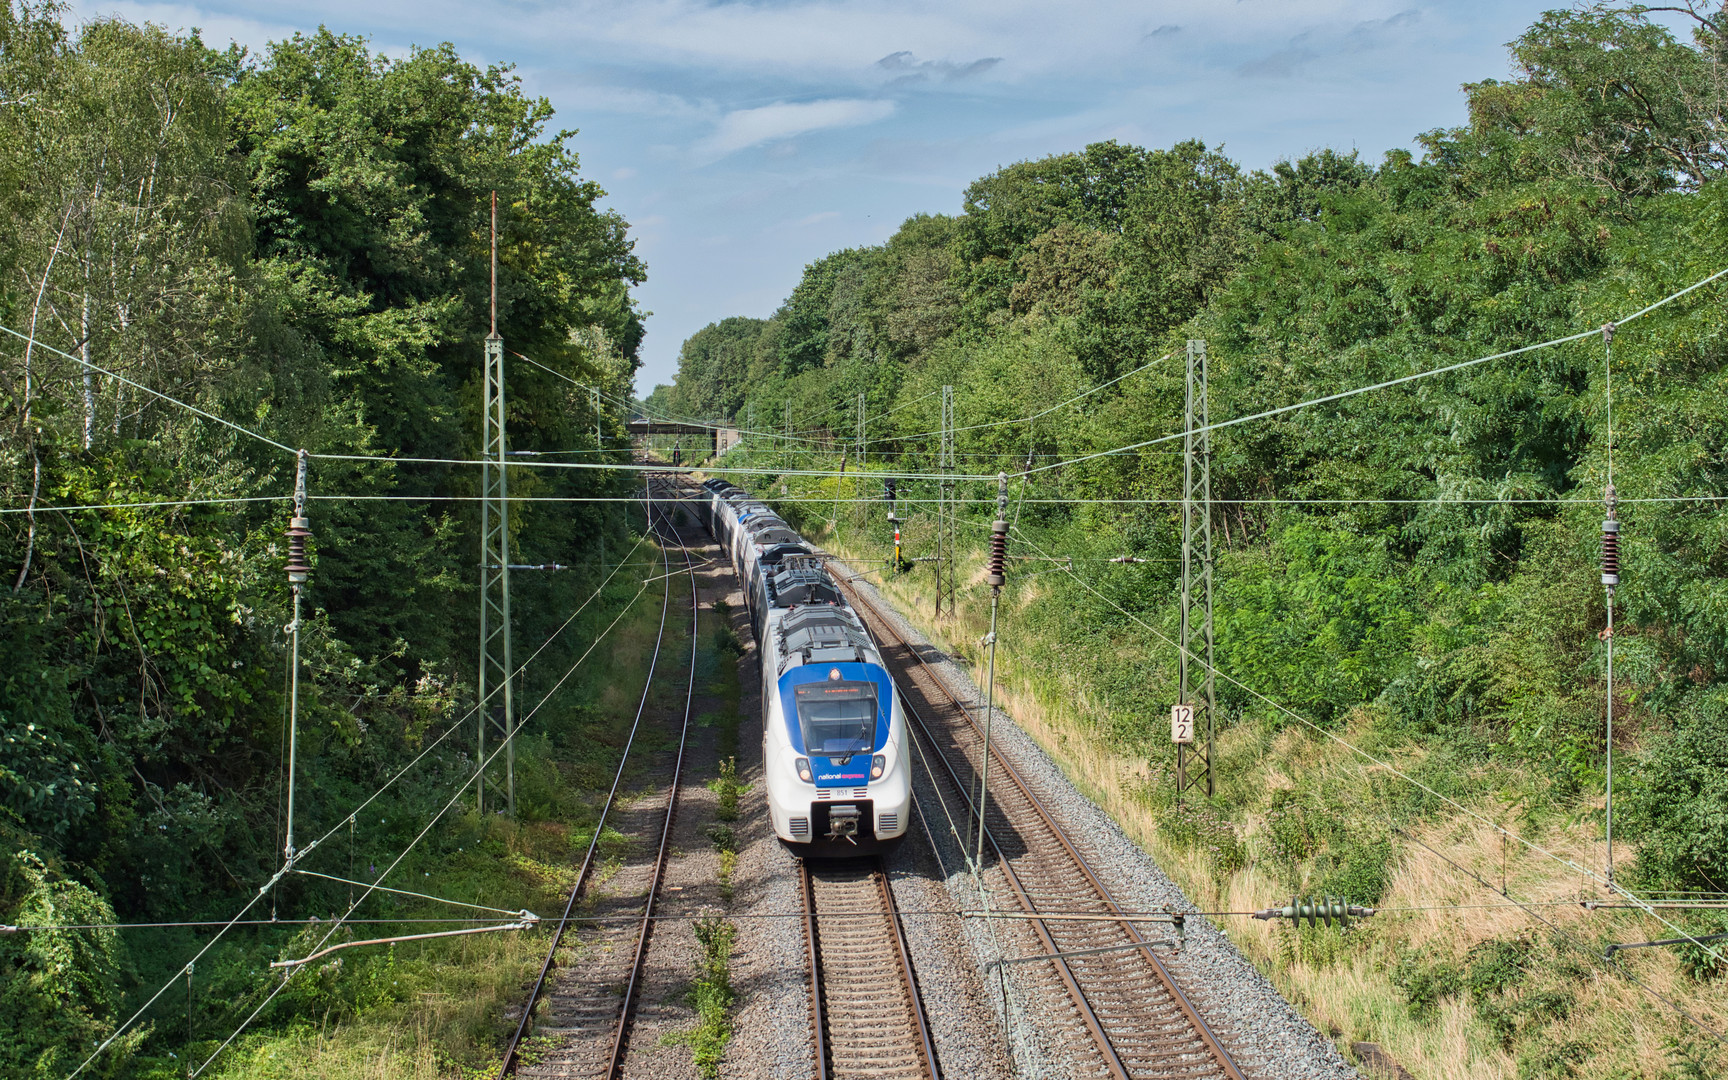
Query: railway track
{"points": [[867, 1016], [585, 1029], [1113, 1002]]}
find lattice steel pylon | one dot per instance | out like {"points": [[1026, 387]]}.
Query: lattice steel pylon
{"points": [[497, 709], [1194, 767], [947, 585]]}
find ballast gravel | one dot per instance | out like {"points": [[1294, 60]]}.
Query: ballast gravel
{"points": [[770, 964], [1272, 1040]]}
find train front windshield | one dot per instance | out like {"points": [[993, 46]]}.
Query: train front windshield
{"points": [[838, 718]]}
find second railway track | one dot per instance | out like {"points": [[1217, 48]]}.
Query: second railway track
{"points": [[867, 1017], [1114, 1005], [586, 1025]]}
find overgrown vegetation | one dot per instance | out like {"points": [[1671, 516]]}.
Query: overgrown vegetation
{"points": [[296, 243], [711, 995], [1411, 570]]}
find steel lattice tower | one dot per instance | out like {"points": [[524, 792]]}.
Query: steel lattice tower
{"points": [[497, 709], [1194, 767]]}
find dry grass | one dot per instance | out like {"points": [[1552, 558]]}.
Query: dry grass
{"points": [[1432, 911]]}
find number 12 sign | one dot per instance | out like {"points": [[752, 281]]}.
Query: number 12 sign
{"points": [[1182, 723]]}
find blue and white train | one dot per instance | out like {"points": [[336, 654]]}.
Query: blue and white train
{"points": [[834, 750]]}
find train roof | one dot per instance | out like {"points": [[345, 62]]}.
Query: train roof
{"points": [[774, 553], [774, 532], [822, 634], [801, 583]]}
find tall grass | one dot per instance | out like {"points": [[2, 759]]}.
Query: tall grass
{"points": [[1296, 813]]}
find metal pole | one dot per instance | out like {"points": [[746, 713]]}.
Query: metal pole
{"points": [[496, 670], [1610, 572], [1610, 591], [1196, 503], [599, 443], [298, 570], [861, 437], [998, 549]]}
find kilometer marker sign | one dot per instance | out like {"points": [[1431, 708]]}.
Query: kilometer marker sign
{"points": [[1182, 723]]}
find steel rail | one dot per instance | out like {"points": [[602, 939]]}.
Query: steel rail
{"points": [[512, 1050], [1006, 768], [818, 1021], [620, 1037], [924, 1047]]}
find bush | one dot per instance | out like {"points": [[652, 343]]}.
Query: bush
{"points": [[58, 988], [1425, 983], [1677, 807]]}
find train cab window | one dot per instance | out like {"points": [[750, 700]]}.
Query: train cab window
{"points": [[838, 718]]}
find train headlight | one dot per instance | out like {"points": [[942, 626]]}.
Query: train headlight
{"points": [[804, 773], [878, 766]]}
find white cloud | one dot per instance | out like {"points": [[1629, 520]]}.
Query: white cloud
{"points": [[624, 100], [218, 27], [1016, 40], [771, 123]]}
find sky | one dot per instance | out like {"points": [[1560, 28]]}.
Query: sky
{"points": [[743, 140]]}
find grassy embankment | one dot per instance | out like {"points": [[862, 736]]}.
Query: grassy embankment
{"points": [[1455, 982], [438, 1009]]}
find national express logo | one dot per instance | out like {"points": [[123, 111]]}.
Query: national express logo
{"points": [[841, 776]]}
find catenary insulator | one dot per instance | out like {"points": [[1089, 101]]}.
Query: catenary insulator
{"points": [[1610, 552], [1332, 908], [298, 530], [998, 576]]}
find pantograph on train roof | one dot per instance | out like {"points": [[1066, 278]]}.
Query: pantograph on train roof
{"points": [[823, 634]]}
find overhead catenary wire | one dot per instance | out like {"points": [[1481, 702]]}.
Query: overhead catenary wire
{"points": [[281, 446], [1529, 909], [791, 500], [140, 386], [633, 405], [338, 922], [873, 500], [155, 505], [375, 885], [1389, 767], [1036, 415], [1431, 373], [1072, 914], [239, 917]]}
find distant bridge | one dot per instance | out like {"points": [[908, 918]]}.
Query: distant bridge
{"points": [[721, 435]]}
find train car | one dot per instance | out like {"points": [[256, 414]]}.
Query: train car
{"points": [[834, 734], [757, 536], [834, 747]]}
